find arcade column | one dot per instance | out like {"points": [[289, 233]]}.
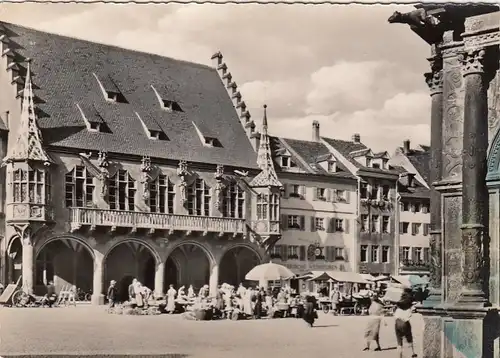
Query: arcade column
{"points": [[434, 80], [27, 267], [97, 296], [214, 280], [159, 279]]}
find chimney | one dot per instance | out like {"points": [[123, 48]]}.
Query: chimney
{"points": [[315, 131], [356, 138], [406, 146]]}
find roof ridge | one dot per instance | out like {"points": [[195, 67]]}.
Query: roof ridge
{"points": [[5, 23]]}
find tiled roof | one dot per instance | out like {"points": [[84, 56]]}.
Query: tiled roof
{"points": [[415, 192], [63, 76], [312, 153], [346, 148], [421, 161]]}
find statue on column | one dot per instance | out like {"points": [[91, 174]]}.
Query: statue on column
{"points": [[146, 178], [219, 186], [183, 172], [103, 164]]}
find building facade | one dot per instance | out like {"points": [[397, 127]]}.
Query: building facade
{"points": [[121, 165], [376, 213], [414, 205], [318, 207]]}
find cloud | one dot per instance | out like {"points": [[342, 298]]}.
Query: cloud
{"points": [[344, 66]]}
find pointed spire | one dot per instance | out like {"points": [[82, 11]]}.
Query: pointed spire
{"points": [[267, 177], [28, 143]]}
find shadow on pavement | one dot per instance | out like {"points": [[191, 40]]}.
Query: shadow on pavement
{"points": [[326, 325]]}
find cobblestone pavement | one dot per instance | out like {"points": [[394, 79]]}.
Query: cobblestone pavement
{"points": [[87, 330]]}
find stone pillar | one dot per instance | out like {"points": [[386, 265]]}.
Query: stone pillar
{"points": [[27, 270], [434, 80], [159, 279], [214, 280], [97, 296], [474, 191]]}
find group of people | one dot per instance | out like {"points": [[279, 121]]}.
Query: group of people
{"points": [[402, 325], [137, 294]]}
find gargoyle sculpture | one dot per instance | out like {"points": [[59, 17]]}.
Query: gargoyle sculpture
{"points": [[103, 165], [417, 18], [183, 172], [219, 186], [146, 178]]}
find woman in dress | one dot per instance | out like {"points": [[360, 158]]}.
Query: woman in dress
{"points": [[171, 299], [247, 303], [376, 311], [138, 294], [310, 314]]}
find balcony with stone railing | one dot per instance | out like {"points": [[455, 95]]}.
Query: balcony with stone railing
{"points": [[414, 266], [133, 220]]}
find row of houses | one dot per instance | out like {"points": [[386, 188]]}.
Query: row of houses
{"points": [[119, 164], [345, 207]]}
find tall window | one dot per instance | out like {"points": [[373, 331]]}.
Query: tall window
{"points": [[234, 202], [267, 206], [162, 195], [363, 191], [364, 222], [79, 188], [364, 253], [199, 198], [374, 192], [30, 186], [122, 191], [375, 223], [375, 251], [385, 254]]}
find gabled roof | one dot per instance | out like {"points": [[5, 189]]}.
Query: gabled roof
{"points": [[346, 148], [311, 153], [63, 70]]}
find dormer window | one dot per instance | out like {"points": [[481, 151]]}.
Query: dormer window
{"points": [[109, 89], [384, 163], [369, 162], [151, 127], [207, 137], [285, 162], [376, 165], [92, 119], [95, 126], [332, 166], [166, 102]]}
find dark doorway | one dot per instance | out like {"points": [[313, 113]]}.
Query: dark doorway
{"points": [[149, 273], [123, 288], [171, 274]]}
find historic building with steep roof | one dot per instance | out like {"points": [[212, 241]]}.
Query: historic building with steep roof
{"points": [[375, 249], [121, 164], [414, 203], [318, 207]]}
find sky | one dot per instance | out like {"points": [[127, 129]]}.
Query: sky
{"points": [[342, 65]]}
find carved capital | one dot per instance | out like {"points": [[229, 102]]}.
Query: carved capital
{"points": [[473, 62], [434, 79], [28, 231]]}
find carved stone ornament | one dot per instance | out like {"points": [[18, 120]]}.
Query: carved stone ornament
{"points": [[472, 62], [434, 79], [183, 173], [472, 262], [219, 186], [103, 165], [435, 253], [146, 177]]}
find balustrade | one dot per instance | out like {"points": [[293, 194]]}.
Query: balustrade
{"points": [[131, 219]]}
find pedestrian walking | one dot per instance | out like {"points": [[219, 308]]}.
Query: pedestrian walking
{"points": [[402, 324], [112, 293], [372, 332], [310, 313]]}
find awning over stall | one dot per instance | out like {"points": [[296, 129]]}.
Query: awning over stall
{"points": [[338, 276]]}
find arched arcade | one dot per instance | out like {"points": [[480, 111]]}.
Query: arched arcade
{"points": [[236, 263]]}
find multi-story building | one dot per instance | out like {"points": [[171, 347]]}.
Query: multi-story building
{"points": [[318, 207], [121, 164], [414, 203], [376, 227]]}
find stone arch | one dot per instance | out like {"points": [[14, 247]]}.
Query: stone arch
{"points": [[236, 261], [66, 260], [193, 262], [127, 259], [14, 258], [494, 158]]}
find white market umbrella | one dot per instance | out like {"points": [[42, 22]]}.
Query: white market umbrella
{"points": [[269, 272]]}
